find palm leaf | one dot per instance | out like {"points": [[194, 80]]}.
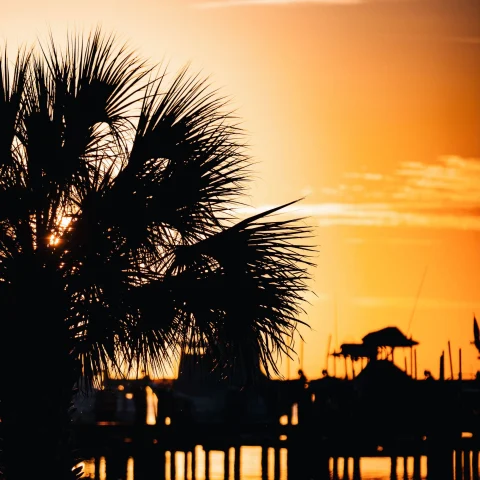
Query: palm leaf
{"points": [[238, 290], [186, 162], [148, 259]]}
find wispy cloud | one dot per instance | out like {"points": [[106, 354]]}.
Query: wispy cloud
{"points": [[241, 3], [408, 302], [443, 194], [422, 242], [373, 215], [450, 181]]}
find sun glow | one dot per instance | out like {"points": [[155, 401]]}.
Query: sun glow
{"points": [[54, 240]]}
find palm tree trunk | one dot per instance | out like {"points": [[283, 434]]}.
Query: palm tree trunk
{"points": [[35, 430], [37, 376]]}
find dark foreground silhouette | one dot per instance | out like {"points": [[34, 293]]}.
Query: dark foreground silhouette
{"points": [[382, 411], [119, 242]]}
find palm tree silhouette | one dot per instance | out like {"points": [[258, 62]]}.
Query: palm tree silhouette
{"points": [[119, 239]]}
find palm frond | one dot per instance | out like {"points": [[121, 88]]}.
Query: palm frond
{"points": [[121, 186], [187, 161], [14, 197], [240, 290], [12, 87]]}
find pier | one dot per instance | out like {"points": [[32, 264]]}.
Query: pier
{"points": [[325, 426]]}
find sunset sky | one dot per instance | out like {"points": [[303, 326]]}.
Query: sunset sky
{"points": [[369, 111]]}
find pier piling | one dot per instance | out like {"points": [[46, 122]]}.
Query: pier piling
{"points": [[277, 463], [393, 468], [416, 467], [475, 475], [207, 464], [346, 475], [356, 468], [335, 468], [226, 464], [467, 472], [237, 460]]}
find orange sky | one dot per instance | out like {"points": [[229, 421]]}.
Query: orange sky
{"points": [[369, 109]]}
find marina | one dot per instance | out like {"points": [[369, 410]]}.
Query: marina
{"points": [[322, 428]]}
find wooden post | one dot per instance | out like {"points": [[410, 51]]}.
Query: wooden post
{"points": [[162, 463], [97, 468], [236, 465], [405, 468], [460, 364], [458, 464], [442, 366], [324, 468], [450, 357], [335, 468], [433, 465], [416, 467], [264, 463], [393, 468], [467, 472], [194, 463], [449, 464], [356, 468], [226, 464], [292, 463], [207, 465], [173, 466], [346, 475], [276, 475], [475, 475], [185, 466], [411, 362], [415, 362]]}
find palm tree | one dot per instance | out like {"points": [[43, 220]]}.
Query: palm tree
{"points": [[119, 239]]}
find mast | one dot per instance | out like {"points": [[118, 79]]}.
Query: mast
{"points": [[450, 357], [328, 352], [302, 346]]}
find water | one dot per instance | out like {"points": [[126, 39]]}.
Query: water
{"points": [[251, 466]]}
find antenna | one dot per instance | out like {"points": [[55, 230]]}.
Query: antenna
{"points": [[415, 360], [416, 298], [450, 356], [328, 352], [302, 344], [460, 364], [335, 318]]}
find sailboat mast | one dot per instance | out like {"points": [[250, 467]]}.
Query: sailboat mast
{"points": [[328, 353], [302, 347], [450, 357]]}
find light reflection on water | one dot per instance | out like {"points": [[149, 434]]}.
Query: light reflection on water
{"points": [[251, 468]]}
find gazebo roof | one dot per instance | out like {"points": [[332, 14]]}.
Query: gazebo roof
{"points": [[388, 337], [356, 350]]}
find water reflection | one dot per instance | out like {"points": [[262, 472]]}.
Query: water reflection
{"points": [[251, 466]]}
